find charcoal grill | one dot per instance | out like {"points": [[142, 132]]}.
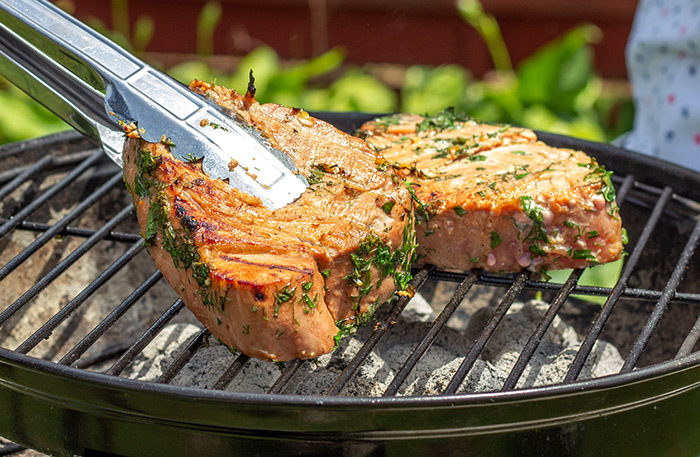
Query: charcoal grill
{"points": [[62, 389]]}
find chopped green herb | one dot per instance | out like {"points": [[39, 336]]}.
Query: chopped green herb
{"points": [[373, 252], [459, 210], [537, 234], [344, 329], [608, 189], [386, 121], [443, 120], [216, 126], [146, 162], [151, 228], [191, 158], [309, 304], [388, 206], [315, 176], [423, 211], [532, 209], [582, 254], [496, 240], [283, 295]]}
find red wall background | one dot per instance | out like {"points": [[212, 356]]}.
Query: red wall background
{"points": [[394, 31]]}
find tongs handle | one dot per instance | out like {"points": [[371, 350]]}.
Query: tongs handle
{"points": [[62, 64], [93, 84]]}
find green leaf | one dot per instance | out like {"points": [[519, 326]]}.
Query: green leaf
{"points": [[429, 90], [605, 275], [558, 72], [207, 21], [486, 25], [294, 80], [22, 118], [185, 72], [264, 62], [144, 29], [585, 125], [358, 91]]}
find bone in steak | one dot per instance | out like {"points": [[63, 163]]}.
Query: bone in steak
{"points": [[282, 284], [494, 197]]}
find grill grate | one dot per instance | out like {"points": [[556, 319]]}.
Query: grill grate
{"points": [[54, 188]]}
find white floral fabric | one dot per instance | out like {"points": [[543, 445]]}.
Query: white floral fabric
{"points": [[663, 62]]}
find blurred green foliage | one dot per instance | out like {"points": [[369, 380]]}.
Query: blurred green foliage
{"points": [[22, 118], [556, 89]]}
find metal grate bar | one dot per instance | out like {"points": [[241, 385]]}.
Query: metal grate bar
{"points": [[45, 330], [78, 151], [76, 231], [104, 325], [231, 372], [660, 308], [70, 259], [597, 328], [11, 448], [690, 340], [542, 327], [486, 333], [671, 213], [627, 292], [184, 357], [623, 189], [56, 228], [433, 332], [290, 369], [145, 338], [25, 175], [55, 189], [379, 331], [109, 353]]}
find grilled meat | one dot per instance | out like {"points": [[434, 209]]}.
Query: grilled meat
{"points": [[495, 198], [280, 284]]}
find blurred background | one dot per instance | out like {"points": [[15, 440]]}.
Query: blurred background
{"points": [[554, 65]]}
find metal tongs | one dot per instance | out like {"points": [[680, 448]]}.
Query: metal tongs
{"points": [[95, 86]]}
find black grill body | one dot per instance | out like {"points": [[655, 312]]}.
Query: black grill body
{"points": [[63, 393]]}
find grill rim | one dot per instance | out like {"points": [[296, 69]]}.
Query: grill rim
{"points": [[610, 382]]}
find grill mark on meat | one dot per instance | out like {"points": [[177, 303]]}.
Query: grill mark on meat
{"points": [[185, 219], [305, 271]]}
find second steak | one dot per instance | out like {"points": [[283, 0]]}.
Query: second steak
{"points": [[494, 197]]}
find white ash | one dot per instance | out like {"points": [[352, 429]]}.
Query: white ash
{"points": [[430, 376]]}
